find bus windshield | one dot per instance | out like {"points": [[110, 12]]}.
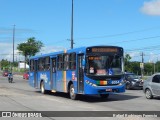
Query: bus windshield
{"points": [[104, 65]]}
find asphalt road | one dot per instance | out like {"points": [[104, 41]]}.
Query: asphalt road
{"points": [[19, 96]]}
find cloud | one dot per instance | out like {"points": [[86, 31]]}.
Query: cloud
{"points": [[7, 52], [49, 49], [5, 49], [151, 8], [153, 57]]}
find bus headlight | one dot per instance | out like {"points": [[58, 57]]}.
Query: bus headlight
{"points": [[89, 83], [122, 82]]}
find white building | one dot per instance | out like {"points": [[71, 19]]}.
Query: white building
{"points": [[21, 65]]}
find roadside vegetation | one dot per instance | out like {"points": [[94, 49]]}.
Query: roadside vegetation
{"points": [[27, 49]]}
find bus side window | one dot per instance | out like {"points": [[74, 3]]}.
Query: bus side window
{"points": [[47, 63], [66, 61], [72, 61], [60, 62], [41, 64], [31, 65]]}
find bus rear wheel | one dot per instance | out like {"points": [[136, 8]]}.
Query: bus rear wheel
{"points": [[72, 93], [42, 87]]}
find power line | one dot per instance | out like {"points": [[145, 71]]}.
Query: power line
{"points": [[146, 48], [120, 34], [153, 37]]}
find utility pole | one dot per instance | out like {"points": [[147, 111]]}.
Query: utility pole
{"points": [[142, 64], [72, 28], [154, 63], [13, 45], [157, 64]]}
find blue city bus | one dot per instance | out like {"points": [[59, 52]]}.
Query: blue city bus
{"points": [[95, 70]]}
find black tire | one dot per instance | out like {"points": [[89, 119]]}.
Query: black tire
{"points": [[148, 94], [73, 95], [42, 87], [104, 96], [128, 86], [11, 80]]}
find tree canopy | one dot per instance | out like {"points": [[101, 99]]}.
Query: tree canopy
{"points": [[31, 47]]}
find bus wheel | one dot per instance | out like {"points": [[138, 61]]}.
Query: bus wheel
{"points": [[73, 95], [104, 96], [43, 91]]}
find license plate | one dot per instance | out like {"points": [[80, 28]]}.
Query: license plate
{"points": [[108, 90]]}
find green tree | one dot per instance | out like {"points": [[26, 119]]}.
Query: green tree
{"points": [[127, 59], [5, 64], [135, 67], [30, 48], [157, 66], [148, 68]]}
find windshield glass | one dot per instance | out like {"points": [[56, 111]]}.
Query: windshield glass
{"points": [[133, 76], [104, 65]]}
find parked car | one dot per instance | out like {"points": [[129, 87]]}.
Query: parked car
{"points": [[5, 73], [151, 86], [26, 75], [133, 81]]}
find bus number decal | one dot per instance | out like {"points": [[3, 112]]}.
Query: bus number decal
{"points": [[115, 82]]}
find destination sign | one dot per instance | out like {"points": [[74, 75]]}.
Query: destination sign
{"points": [[94, 58], [113, 50]]}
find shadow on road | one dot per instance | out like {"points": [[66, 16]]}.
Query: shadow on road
{"points": [[95, 98], [111, 98]]}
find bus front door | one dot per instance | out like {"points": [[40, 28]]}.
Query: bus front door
{"points": [[53, 74], [80, 73], [35, 74]]}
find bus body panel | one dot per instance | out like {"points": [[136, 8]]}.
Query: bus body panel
{"points": [[91, 88], [31, 79], [45, 77]]}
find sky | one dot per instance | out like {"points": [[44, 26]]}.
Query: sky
{"points": [[131, 24]]}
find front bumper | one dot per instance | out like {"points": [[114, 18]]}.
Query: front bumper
{"points": [[104, 89]]}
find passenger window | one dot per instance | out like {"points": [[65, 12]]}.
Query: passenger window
{"points": [[60, 62], [156, 79], [41, 64], [47, 63], [72, 61], [31, 65], [66, 61]]}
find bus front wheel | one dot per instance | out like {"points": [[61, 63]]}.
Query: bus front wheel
{"points": [[72, 93], [43, 91]]}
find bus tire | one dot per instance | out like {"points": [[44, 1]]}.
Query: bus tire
{"points": [[72, 94], [42, 87], [104, 96]]}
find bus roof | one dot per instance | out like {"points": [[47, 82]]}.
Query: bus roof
{"points": [[77, 50]]}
